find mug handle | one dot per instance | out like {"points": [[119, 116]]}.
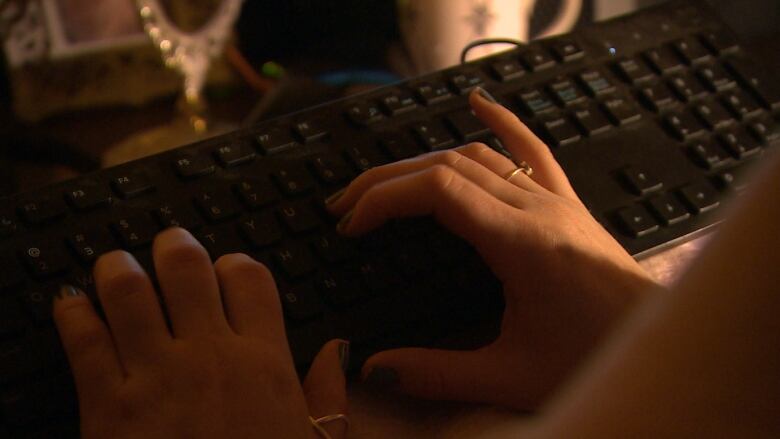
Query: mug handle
{"points": [[566, 19]]}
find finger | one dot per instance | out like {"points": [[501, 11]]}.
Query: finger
{"points": [[88, 345], [473, 376], [522, 144], [251, 299], [188, 284], [458, 159], [325, 386], [497, 164], [131, 306]]}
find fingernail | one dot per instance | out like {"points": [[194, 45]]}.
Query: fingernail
{"points": [[485, 95], [382, 378], [69, 291], [344, 222], [344, 355], [336, 195]]}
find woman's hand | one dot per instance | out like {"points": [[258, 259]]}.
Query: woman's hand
{"points": [[566, 280], [222, 370]]}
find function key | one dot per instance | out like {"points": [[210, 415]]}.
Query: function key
{"points": [[713, 114], [739, 143], [364, 113], [235, 154], [274, 140], [657, 96], [691, 50], [535, 102], [634, 71], [637, 221], [260, 230], [44, 261], [432, 93], [536, 59], [687, 87], [193, 165], [216, 206], [298, 217], [719, 41], [716, 78], [663, 59], [668, 209], [640, 181], [464, 82], [134, 231], [132, 185], [591, 119], [566, 92], [561, 132], [566, 50], [43, 210], [8, 225], [433, 135], [90, 197], [365, 157], [309, 131], [170, 215], [741, 104], [293, 179], [397, 103], [595, 82], [330, 168], [710, 155], [256, 193], [507, 69], [684, 125], [700, 197], [466, 125], [621, 111]]}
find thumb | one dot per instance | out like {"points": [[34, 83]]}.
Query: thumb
{"points": [[325, 386], [472, 376]]}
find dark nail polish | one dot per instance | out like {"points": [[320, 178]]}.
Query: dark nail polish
{"points": [[335, 196], [69, 291], [382, 378], [342, 225], [487, 96], [344, 355]]}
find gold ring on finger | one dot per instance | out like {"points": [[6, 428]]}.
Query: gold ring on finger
{"points": [[523, 167]]}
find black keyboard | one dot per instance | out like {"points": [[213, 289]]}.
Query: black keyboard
{"points": [[656, 118]]}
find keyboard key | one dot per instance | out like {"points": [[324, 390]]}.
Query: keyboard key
{"points": [[561, 132], [764, 86], [364, 113], [295, 260], [338, 289], [176, 215], [134, 231], [300, 302], [684, 125], [375, 276], [43, 210], [668, 209], [735, 179], [765, 129], [333, 248], [308, 131], [739, 143], [700, 197], [687, 87], [595, 82], [534, 102], [536, 59], [274, 140], [8, 225], [741, 104], [621, 111], [716, 78], [397, 103], [235, 154], [710, 155], [86, 246], [256, 193], [12, 274], [87, 197], [400, 146], [720, 42], [260, 230], [566, 92], [364, 157], [432, 93], [132, 185], [293, 179], [637, 221], [507, 70], [464, 82], [713, 114], [566, 50], [330, 169], [193, 165], [220, 240], [433, 135], [663, 60], [657, 96], [299, 218], [216, 205], [634, 71], [45, 261], [691, 50], [466, 125], [640, 181], [591, 120]]}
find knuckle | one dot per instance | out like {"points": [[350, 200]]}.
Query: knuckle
{"points": [[440, 177], [477, 148], [241, 265], [449, 157]]}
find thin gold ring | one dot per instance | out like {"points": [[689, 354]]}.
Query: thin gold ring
{"points": [[523, 167], [317, 423]]}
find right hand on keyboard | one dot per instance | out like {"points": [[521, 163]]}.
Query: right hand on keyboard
{"points": [[566, 280]]}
